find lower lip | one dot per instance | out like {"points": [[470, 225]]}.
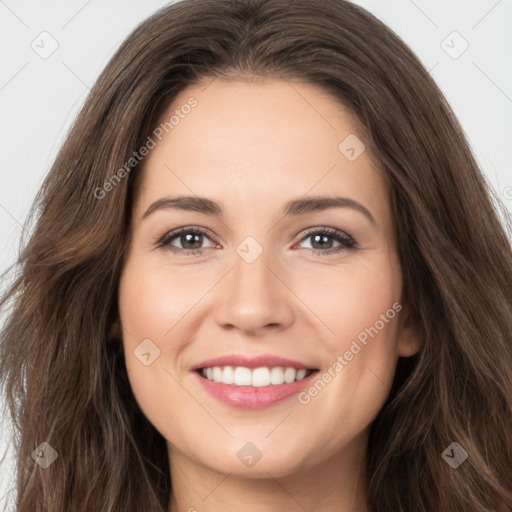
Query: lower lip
{"points": [[248, 397]]}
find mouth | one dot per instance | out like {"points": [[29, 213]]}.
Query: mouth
{"points": [[257, 377], [253, 382]]}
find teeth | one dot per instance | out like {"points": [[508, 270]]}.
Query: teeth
{"points": [[277, 376], [228, 375], [300, 374], [289, 375], [217, 374], [257, 377], [242, 376], [260, 377]]}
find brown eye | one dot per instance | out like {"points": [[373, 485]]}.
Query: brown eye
{"points": [[186, 240], [328, 241], [191, 240]]}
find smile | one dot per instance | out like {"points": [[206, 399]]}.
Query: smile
{"points": [[256, 377], [253, 382]]}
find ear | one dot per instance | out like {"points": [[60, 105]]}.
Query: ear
{"points": [[115, 330], [410, 336]]}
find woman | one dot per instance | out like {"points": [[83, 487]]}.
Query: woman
{"points": [[337, 336]]}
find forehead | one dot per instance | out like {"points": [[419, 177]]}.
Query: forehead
{"points": [[269, 138]]}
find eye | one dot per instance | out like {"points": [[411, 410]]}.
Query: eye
{"points": [[190, 240], [323, 240]]}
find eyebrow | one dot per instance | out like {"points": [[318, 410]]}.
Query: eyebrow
{"points": [[294, 207]]}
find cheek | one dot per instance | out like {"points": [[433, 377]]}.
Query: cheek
{"points": [[356, 303], [155, 301], [161, 304], [362, 310], [150, 306]]}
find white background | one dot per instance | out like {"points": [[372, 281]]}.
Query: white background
{"points": [[39, 98]]}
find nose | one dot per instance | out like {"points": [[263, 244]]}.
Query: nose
{"points": [[255, 297]]}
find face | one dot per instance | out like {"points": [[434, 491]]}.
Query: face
{"points": [[261, 317]]}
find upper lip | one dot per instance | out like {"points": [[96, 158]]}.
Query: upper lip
{"points": [[251, 362]]}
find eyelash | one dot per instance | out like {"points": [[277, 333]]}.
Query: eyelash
{"points": [[347, 241]]}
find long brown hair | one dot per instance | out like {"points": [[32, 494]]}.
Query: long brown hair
{"points": [[64, 377]]}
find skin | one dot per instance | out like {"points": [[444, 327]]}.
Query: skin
{"points": [[252, 146]]}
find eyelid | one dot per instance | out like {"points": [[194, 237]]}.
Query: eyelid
{"points": [[163, 242], [348, 241], [323, 229]]}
